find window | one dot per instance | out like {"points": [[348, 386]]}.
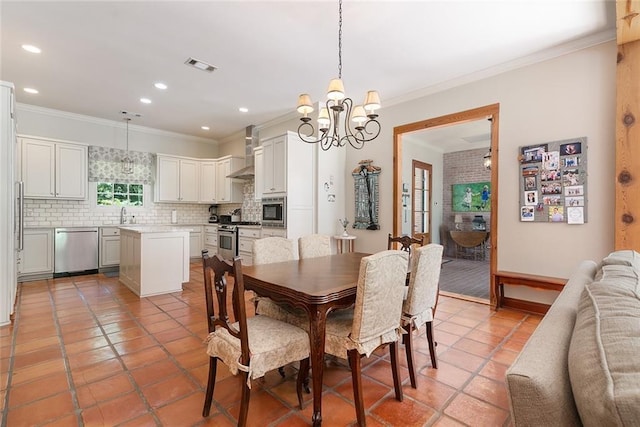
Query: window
{"points": [[117, 194]]}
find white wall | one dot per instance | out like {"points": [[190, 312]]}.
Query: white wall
{"points": [[60, 125], [569, 96]]}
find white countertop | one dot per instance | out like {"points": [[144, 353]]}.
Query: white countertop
{"points": [[155, 228]]}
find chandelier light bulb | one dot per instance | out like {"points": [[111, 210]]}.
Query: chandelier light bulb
{"points": [[305, 106], [372, 102], [336, 90]]}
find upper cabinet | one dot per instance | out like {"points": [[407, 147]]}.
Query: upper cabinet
{"points": [[208, 181], [53, 170], [177, 179], [182, 179], [274, 157], [229, 190], [258, 163]]}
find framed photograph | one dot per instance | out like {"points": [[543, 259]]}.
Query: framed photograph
{"points": [[533, 153], [574, 201], [552, 200], [530, 170], [571, 162], [576, 190], [551, 188], [530, 183], [471, 197], [530, 198], [571, 149], [556, 214], [551, 160], [553, 175], [526, 213], [570, 177]]}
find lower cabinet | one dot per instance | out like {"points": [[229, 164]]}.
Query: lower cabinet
{"points": [[195, 244], [211, 239], [274, 232], [35, 261], [109, 247], [246, 237]]}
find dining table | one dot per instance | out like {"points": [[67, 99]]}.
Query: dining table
{"points": [[318, 286]]}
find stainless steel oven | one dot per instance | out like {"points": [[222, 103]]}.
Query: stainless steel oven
{"points": [[227, 241], [274, 212]]}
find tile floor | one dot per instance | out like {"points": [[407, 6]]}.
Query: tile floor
{"points": [[86, 351]]}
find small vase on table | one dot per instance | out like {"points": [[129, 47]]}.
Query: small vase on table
{"points": [[344, 222]]}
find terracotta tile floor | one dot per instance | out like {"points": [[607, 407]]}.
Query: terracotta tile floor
{"points": [[86, 351]]}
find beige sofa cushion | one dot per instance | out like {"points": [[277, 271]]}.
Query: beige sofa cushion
{"points": [[604, 355], [538, 380]]}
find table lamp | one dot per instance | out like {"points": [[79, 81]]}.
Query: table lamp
{"points": [[458, 220]]}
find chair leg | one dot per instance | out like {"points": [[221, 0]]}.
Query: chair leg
{"points": [[356, 378], [395, 370], [432, 345], [244, 401], [211, 383], [408, 348], [303, 373]]}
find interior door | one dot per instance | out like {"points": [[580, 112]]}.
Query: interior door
{"points": [[421, 200]]}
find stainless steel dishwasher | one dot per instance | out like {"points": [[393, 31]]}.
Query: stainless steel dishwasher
{"points": [[76, 251]]}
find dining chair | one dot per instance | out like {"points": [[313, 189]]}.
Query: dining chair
{"points": [[250, 346], [406, 242], [314, 245], [374, 320], [419, 307], [266, 251]]}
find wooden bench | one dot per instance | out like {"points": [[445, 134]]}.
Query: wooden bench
{"points": [[511, 278]]}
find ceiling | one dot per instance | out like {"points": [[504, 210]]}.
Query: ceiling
{"points": [[100, 57]]}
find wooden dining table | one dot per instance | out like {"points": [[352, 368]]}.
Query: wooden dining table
{"points": [[317, 285]]}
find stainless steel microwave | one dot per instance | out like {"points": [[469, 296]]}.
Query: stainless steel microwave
{"points": [[274, 212]]}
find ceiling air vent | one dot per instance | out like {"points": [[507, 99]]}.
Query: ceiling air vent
{"points": [[200, 65]]}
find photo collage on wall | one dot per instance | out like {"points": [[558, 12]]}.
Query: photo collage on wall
{"points": [[553, 182]]}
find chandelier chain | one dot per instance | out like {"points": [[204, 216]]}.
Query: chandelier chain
{"points": [[340, 40]]}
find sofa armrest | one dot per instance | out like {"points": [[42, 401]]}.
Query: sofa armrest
{"points": [[538, 380]]}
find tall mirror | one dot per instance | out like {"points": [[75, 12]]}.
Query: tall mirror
{"points": [[445, 185]]}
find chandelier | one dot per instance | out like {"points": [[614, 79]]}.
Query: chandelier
{"points": [[126, 163], [366, 128]]}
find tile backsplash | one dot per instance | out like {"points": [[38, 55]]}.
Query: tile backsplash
{"points": [[82, 213]]}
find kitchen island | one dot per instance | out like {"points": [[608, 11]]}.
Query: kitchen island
{"points": [[154, 260]]}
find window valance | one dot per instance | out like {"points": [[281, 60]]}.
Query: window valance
{"points": [[105, 166]]}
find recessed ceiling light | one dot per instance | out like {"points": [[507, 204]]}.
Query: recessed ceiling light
{"points": [[160, 85], [243, 110], [145, 100], [31, 90], [31, 48], [204, 127]]}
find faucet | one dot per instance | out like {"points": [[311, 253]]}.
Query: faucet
{"points": [[123, 215]]}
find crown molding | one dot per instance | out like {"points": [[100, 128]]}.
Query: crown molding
{"points": [[545, 55], [109, 123]]}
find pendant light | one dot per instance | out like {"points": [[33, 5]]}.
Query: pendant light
{"points": [[126, 162]]}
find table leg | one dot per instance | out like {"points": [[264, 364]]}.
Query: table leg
{"points": [[351, 245], [338, 246], [316, 340]]}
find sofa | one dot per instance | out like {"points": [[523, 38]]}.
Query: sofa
{"points": [[581, 366]]}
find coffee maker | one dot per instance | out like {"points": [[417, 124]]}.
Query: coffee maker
{"points": [[213, 214]]}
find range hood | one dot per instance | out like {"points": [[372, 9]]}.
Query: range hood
{"points": [[250, 142]]}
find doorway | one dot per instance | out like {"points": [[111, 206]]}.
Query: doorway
{"points": [[404, 132]]}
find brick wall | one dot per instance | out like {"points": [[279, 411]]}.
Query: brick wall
{"points": [[459, 168]]}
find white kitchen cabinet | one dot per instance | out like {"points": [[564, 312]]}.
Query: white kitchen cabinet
{"points": [[274, 174], [109, 247], [229, 189], [289, 170], [177, 179], [274, 232], [246, 237], [258, 164], [195, 243], [211, 239], [53, 170], [37, 256], [208, 179]]}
